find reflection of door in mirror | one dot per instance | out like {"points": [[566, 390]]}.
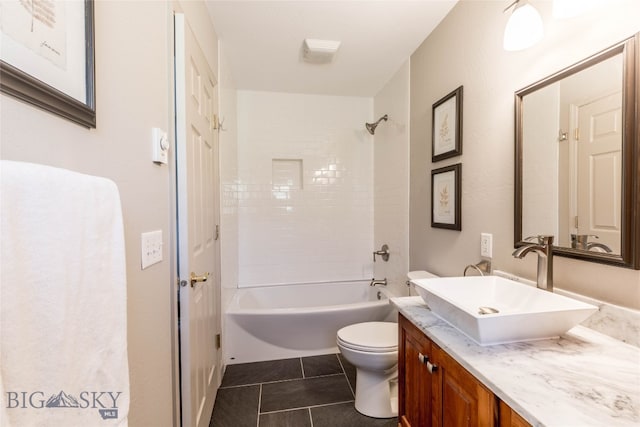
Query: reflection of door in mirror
{"points": [[571, 170], [599, 162]]}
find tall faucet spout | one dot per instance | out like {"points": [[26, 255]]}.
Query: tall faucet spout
{"points": [[544, 249], [523, 250]]}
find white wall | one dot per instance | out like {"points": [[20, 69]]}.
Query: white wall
{"points": [[540, 172], [322, 231], [391, 180], [134, 62], [466, 48]]}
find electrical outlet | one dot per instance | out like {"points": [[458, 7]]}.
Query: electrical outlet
{"points": [[151, 248], [486, 245]]}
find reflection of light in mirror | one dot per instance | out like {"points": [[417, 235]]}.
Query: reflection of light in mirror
{"points": [[564, 9]]}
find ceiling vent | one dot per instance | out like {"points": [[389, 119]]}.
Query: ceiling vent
{"points": [[319, 51]]}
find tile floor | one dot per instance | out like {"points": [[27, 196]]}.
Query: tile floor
{"points": [[312, 391]]}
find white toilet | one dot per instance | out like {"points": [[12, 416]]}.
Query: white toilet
{"points": [[372, 347]]}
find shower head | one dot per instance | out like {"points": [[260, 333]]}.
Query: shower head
{"points": [[371, 127]]}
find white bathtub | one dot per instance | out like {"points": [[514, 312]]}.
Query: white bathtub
{"points": [[285, 321]]}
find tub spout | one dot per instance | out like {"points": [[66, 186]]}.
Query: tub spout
{"points": [[382, 282]]}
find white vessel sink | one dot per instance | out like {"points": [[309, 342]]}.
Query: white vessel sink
{"points": [[514, 311]]}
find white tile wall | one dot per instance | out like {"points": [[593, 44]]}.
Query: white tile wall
{"points": [[322, 230]]}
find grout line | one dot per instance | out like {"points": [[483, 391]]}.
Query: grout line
{"points": [[258, 408], [344, 372], [310, 417], [307, 407], [302, 368], [330, 404], [282, 381]]}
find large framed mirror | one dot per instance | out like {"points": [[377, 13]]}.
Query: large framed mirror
{"points": [[577, 147]]}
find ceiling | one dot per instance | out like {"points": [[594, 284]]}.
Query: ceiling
{"points": [[262, 41]]}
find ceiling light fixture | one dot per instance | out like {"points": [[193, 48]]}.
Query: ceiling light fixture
{"points": [[319, 51], [524, 27]]}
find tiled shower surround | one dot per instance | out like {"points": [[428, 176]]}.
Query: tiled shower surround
{"points": [[304, 188]]}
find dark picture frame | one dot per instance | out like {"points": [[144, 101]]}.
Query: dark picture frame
{"points": [[446, 131], [40, 92], [445, 206]]}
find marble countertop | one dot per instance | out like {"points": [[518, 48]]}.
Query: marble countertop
{"points": [[583, 378]]}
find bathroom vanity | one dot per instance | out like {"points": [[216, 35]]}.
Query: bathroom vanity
{"points": [[445, 379], [435, 390]]}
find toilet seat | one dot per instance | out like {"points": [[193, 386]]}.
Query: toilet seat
{"points": [[371, 337]]}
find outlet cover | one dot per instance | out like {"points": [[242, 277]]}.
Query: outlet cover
{"points": [[486, 245], [151, 248]]}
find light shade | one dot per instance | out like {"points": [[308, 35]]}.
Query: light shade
{"points": [[524, 28]]}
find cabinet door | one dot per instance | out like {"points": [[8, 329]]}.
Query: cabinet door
{"points": [[414, 381], [459, 399], [509, 418]]}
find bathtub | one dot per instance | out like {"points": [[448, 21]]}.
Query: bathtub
{"points": [[286, 321]]}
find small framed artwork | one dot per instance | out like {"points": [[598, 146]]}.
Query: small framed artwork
{"points": [[445, 197], [446, 131], [47, 56]]}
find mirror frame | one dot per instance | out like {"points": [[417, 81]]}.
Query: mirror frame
{"points": [[629, 256]]}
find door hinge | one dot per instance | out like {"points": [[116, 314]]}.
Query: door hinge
{"points": [[217, 232], [218, 341], [575, 221], [576, 134]]}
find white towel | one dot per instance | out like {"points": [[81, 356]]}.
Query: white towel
{"points": [[63, 336]]}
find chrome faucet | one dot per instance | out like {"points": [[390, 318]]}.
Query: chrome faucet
{"points": [[544, 249], [581, 241], [382, 282], [482, 267], [602, 246]]}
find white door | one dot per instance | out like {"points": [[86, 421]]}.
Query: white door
{"points": [[197, 179], [600, 170]]}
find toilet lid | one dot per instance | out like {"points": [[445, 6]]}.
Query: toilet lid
{"points": [[370, 336]]}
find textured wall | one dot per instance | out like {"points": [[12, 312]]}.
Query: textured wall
{"points": [[466, 49], [391, 180]]}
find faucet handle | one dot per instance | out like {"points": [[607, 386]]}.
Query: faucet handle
{"points": [[537, 239], [383, 252], [546, 239], [541, 239]]}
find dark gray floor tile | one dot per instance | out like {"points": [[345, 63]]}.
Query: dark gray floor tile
{"points": [[327, 364], [236, 407], [296, 418], [345, 415], [350, 371], [261, 372], [305, 392]]}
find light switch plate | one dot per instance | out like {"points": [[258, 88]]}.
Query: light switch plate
{"points": [[160, 140], [151, 248]]}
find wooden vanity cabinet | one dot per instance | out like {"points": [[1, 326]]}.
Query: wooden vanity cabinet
{"points": [[509, 418], [436, 391], [414, 396]]}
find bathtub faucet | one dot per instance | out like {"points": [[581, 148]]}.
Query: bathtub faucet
{"points": [[382, 282]]}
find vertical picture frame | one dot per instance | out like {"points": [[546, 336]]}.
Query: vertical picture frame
{"points": [[47, 57], [445, 197], [446, 130]]}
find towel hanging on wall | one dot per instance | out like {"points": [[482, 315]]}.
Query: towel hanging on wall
{"points": [[63, 336]]}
